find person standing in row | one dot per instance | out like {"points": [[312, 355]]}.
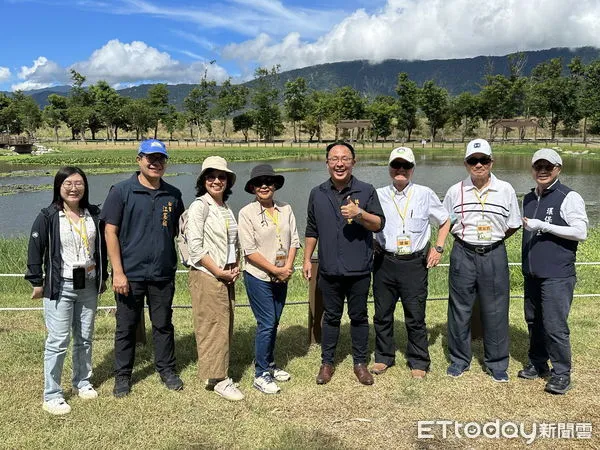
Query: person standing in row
{"points": [[66, 265], [555, 221], [213, 246], [484, 212], [141, 216], [269, 241], [402, 259], [343, 213]]}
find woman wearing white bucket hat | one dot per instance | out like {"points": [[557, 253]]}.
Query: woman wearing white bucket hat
{"points": [[213, 246]]}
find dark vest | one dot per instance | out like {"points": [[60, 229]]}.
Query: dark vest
{"points": [[545, 255]]}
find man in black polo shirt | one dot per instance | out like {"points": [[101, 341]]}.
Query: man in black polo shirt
{"points": [[141, 217], [343, 213]]}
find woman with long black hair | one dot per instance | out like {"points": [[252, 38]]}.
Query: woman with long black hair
{"points": [[66, 265]]}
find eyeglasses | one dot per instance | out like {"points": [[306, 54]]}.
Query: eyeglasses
{"points": [[484, 160], [71, 184], [154, 158], [544, 167], [212, 177], [343, 159], [401, 165], [265, 181]]}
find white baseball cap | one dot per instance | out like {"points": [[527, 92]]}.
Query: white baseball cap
{"points": [[402, 152], [548, 154], [478, 146]]}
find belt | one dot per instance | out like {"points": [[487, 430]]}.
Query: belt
{"points": [[479, 249], [407, 257]]}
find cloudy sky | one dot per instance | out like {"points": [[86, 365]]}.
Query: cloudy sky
{"points": [[127, 42]]}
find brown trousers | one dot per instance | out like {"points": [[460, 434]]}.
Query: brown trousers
{"points": [[212, 309]]}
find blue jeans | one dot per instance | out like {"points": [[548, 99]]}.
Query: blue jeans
{"points": [[74, 309], [267, 300]]}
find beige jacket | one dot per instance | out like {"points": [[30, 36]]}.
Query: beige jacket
{"points": [[207, 237]]}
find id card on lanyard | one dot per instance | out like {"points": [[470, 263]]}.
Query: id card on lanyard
{"points": [[483, 225], [281, 253], [403, 243]]}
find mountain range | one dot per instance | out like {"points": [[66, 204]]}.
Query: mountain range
{"points": [[371, 79]]}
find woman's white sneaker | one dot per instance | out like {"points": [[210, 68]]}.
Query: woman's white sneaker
{"points": [[279, 374], [57, 406], [87, 392], [266, 384], [228, 390]]}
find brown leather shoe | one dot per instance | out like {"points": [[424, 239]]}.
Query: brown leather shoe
{"points": [[325, 374], [418, 374], [379, 368], [363, 375]]}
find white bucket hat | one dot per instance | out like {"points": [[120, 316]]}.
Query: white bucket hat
{"points": [[217, 163]]}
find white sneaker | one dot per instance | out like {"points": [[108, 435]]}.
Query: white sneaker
{"points": [[279, 374], [57, 406], [87, 392], [266, 384], [228, 390]]}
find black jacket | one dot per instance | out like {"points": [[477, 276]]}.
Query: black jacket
{"points": [[44, 260]]}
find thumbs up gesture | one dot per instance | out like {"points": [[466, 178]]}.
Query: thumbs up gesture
{"points": [[349, 209]]}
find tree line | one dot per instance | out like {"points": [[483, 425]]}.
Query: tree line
{"points": [[555, 99]]}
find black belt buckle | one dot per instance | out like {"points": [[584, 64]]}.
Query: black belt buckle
{"points": [[481, 250]]}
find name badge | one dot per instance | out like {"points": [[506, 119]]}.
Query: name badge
{"points": [[402, 245], [484, 230], [280, 257]]}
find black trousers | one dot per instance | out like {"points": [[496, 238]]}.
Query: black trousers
{"points": [[405, 279], [547, 305], [485, 275], [159, 295], [335, 289]]}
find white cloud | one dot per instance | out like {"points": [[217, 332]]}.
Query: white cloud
{"points": [[432, 29], [42, 73], [121, 63], [4, 74]]}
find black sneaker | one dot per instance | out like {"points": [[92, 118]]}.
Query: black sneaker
{"points": [[122, 386], [530, 372], [558, 384], [172, 381]]}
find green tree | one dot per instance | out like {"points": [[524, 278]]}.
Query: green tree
{"points": [[381, 112], [80, 109], [434, 103], [587, 81], [407, 92], [158, 99], [28, 113], [107, 106], [346, 104], [231, 98], [464, 113], [140, 116], [243, 122], [319, 104], [53, 118], [295, 101], [171, 120], [552, 95], [267, 115], [197, 105], [8, 116]]}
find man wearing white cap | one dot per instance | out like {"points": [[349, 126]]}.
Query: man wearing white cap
{"points": [[402, 259], [555, 221], [484, 212]]}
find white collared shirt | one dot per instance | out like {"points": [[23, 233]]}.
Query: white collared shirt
{"points": [[496, 203], [422, 207]]}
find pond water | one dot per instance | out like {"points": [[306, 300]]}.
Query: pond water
{"points": [[435, 170]]}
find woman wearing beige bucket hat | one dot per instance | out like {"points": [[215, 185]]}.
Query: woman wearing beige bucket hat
{"points": [[269, 241], [213, 246]]}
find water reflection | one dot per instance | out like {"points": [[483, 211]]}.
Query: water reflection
{"points": [[434, 169]]}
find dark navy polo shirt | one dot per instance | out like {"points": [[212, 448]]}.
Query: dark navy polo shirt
{"points": [[344, 248], [148, 221]]}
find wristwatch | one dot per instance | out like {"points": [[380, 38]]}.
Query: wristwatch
{"points": [[439, 249], [359, 215]]}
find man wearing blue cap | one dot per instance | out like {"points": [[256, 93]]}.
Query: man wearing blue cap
{"points": [[555, 221], [141, 217]]}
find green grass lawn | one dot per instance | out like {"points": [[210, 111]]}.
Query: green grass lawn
{"points": [[342, 414]]}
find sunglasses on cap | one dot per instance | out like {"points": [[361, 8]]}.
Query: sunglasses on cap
{"points": [[395, 164], [263, 181], [548, 167], [483, 160]]}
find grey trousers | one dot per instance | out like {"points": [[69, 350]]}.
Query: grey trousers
{"points": [[483, 275]]}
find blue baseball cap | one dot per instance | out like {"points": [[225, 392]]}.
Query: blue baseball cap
{"points": [[150, 146]]}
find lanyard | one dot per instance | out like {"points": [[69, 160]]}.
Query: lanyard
{"points": [[275, 219], [402, 214], [82, 242], [482, 201]]}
